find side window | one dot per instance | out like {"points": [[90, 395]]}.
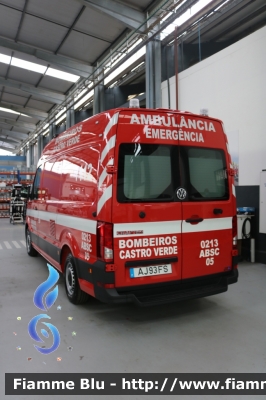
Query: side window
{"points": [[79, 175], [72, 176], [55, 188], [51, 182], [36, 184], [51, 179], [46, 179]]}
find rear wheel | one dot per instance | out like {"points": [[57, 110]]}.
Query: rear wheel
{"points": [[73, 291], [30, 249]]}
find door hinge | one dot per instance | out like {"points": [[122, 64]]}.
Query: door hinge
{"points": [[111, 169], [231, 172], [234, 253]]}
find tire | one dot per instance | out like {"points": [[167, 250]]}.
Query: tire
{"points": [[30, 249], [74, 293]]}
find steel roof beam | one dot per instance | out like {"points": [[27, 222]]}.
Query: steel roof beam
{"points": [[240, 21], [12, 122], [44, 94], [14, 134], [11, 141], [8, 148], [64, 63], [21, 20], [129, 16], [70, 29], [192, 23], [31, 112]]}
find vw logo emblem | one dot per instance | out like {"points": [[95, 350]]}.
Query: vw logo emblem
{"points": [[181, 193]]}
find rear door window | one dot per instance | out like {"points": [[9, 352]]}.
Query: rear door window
{"points": [[205, 173], [154, 172], [146, 172]]}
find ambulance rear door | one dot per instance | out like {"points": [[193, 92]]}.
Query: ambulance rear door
{"points": [[145, 214], [206, 197]]}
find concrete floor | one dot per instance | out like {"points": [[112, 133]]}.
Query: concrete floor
{"points": [[222, 333]]}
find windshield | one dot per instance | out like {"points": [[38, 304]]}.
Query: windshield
{"points": [[153, 172]]}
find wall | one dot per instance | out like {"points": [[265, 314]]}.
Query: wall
{"points": [[232, 85]]}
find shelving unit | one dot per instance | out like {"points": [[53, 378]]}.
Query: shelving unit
{"points": [[11, 178], [5, 196]]}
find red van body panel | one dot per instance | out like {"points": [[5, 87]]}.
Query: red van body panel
{"points": [[144, 200]]}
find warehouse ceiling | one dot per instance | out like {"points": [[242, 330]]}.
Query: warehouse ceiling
{"points": [[50, 50]]}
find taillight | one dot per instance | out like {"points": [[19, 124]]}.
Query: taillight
{"points": [[105, 241], [234, 231]]}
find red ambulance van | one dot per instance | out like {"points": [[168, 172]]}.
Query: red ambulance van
{"points": [[137, 205]]}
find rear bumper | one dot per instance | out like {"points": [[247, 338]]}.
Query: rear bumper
{"points": [[172, 292], [149, 295]]}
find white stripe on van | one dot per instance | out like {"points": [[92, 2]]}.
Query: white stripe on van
{"points": [[32, 213], [81, 224], [234, 190], [109, 145], [102, 178], [148, 228], [104, 173], [113, 121], [171, 227], [207, 225], [107, 194]]}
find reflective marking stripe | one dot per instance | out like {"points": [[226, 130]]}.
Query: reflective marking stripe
{"points": [[47, 216], [16, 244], [8, 245], [23, 242], [109, 145], [171, 227], [113, 121], [104, 173], [102, 178], [207, 225], [234, 190], [81, 224], [32, 213], [148, 228], [107, 194]]}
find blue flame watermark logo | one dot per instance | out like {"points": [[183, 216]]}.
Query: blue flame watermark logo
{"points": [[43, 299]]}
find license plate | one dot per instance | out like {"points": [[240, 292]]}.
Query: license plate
{"points": [[140, 272]]}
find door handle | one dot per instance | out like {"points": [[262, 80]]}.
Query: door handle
{"points": [[194, 220], [217, 211]]}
